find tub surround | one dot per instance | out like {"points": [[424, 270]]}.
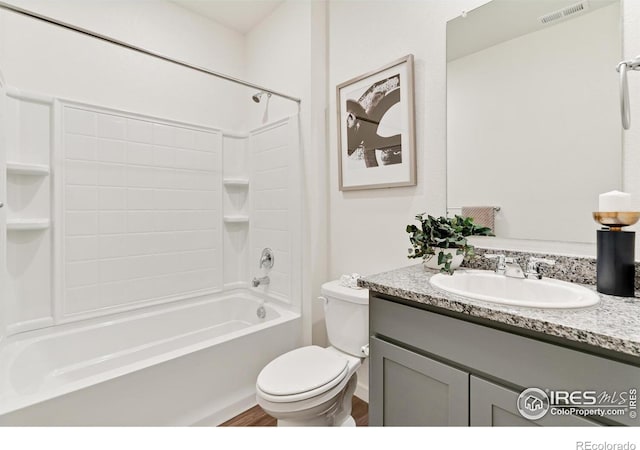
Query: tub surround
{"points": [[613, 324]]}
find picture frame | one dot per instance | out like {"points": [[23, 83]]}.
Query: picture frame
{"points": [[376, 128]]}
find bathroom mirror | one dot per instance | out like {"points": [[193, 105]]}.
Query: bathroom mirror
{"points": [[533, 115]]}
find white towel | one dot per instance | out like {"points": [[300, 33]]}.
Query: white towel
{"points": [[350, 281]]}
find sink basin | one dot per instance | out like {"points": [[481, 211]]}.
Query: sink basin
{"points": [[491, 287]]}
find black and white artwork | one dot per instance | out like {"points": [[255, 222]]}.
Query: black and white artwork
{"points": [[376, 128]]}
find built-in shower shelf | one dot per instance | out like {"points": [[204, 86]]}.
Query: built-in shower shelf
{"points": [[236, 219], [27, 224], [236, 182], [36, 170]]}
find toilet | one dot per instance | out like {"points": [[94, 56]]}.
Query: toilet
{"points": [[314, 386]]}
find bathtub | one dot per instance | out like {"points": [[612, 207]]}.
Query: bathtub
{"points": [[193, 363]]}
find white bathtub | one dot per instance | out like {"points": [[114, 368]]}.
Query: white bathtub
{"points": [[192, 363]]}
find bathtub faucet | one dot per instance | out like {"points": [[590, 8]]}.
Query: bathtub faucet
{"points": [[262, 280]]}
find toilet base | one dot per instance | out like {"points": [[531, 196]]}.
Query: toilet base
{"points": [[338, 413], [348, 422], [321, 422]]}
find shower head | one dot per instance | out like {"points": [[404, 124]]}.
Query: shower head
{"points": [[258, 96]]}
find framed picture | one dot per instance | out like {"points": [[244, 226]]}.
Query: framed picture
{"points": [[376, 128]]}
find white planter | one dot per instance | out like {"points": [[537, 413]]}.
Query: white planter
{"points": [[431, 261]]}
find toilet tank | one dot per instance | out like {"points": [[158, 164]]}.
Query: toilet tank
{"points": [[347, 317]]}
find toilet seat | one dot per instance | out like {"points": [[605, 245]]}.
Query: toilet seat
{"points": [[302, 374]]}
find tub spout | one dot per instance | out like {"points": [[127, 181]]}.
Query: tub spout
{"points": [[262, 280]]}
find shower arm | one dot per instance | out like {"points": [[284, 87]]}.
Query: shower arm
{"points": [[622, 68]]}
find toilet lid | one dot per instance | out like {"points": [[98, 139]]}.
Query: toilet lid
{"points": [[302, 370]]}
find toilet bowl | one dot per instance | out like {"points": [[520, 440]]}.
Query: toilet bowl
{"points": [[314, 386]]}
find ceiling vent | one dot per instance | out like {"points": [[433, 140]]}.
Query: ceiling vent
{"points": [[565, 12]]}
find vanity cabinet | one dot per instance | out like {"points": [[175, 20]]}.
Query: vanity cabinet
{"points": [[492, 405], [416, 390], [431, 367]]}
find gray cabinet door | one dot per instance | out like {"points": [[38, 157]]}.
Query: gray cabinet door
{"points": [[408, 389], [495, 406]]}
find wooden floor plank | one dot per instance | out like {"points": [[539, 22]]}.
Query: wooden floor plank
{"points": [[256, 417]]}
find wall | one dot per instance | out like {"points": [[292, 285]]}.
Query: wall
{"points": [[503, 115], [140, 211], [287, 52], [367, 227], [42, 58], [379, 216], [87, 70], [275, 212]]}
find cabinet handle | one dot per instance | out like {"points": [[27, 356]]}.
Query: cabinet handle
{"points": [[1, 204]]}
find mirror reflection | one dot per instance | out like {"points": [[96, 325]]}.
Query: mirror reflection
{"points": [[533, 116]]}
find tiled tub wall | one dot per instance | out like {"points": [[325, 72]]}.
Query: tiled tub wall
{"points": [[276, 218], [567, 268], [141, 208]]}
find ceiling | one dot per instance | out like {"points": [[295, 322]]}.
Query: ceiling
{"points": [[502, 20], [240, 15]]}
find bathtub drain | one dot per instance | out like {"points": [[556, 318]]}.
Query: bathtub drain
{"points": [[261, 312]]}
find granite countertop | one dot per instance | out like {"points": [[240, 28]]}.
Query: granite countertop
{"points": [[612, 324]]}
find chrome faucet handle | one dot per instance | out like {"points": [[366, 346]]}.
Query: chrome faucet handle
{"points": [[513, 268], [501, 265], [533, 267], [267, 259]]}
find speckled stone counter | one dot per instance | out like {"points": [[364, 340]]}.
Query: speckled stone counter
{"points": [[613, 324]]}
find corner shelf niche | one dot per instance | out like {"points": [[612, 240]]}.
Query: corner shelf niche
{"points": [[35, 170], [28, 139], [236, 219], [236, 182], [235, 205], [28, 224], [28, 195]]}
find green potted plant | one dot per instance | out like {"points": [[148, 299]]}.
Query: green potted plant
{"points": [[442, 242]]}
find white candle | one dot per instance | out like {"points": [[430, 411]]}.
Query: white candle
{"points": [[615, 201]]}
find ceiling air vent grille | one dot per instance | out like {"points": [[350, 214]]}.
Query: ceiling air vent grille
{"points": [[565, 12]]}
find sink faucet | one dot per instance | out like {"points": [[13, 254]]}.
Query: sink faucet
{"points": [[509, 267], [262, 280], [533, 267]]}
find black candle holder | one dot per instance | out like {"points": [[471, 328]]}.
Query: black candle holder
{"points": [[615, 263]]}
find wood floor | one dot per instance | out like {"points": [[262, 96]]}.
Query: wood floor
{"points": [[256, 417]]}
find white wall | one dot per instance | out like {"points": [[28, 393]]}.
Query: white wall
{"points": [[44, 58], [141, 212], [287, 53], [367, 227], [515, 131]]}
